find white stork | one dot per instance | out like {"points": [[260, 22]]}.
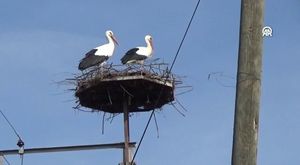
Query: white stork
{"points": [[139, 54], [99, 54]]}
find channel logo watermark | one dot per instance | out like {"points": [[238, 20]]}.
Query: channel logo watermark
{"points": [[267, 31]]}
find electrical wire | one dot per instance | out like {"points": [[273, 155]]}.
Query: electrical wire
{"points": [[9, 123], [186, 31], [7, 162], [22, 159], [20, 141], [173, 63]]}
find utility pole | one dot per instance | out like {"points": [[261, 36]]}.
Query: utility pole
{"points": [[246, 119], [1, 160]]}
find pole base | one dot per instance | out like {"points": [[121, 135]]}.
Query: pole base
{"points": [[128, 163]]}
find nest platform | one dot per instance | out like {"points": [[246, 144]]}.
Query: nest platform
{"points": [[143, 88]]}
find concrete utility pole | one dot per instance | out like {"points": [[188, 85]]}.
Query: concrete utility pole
{"points": [[247, 101]]}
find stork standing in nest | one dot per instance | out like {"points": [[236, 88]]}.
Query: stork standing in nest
{"points": [[100, 54], [139, 54]]}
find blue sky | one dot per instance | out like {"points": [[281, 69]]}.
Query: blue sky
{"points": [[41, 43]]}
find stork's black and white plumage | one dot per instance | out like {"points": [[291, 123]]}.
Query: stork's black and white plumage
{"points": [[139, 54], [99, 54]]}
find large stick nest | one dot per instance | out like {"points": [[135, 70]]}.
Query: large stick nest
{"points": [[141, 87]]}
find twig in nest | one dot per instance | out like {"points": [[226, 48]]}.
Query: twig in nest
{"points": [[157, 130], [77, 106], [126, 91], [70, 100], [181, 105], [177, 109], [181, 93], [108, 93], [103, 117], [185, 86], [112, 116], [83, 110]]}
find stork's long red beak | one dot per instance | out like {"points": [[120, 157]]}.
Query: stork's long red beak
{"points": [[115, 40]]}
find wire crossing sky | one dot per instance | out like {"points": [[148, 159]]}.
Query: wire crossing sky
{"points": [[43, 42], [9, 123], [170, 70]]}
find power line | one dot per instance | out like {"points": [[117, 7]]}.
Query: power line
{"points": [[20, 141], [173, 63], [22, 158], [9, 123], [186, 31], [7, 162]]}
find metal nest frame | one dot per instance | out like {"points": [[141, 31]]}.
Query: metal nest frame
{"points": [[145, 87]]}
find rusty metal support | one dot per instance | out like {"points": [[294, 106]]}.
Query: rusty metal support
{"points": [[67, 148], [126, 150]]}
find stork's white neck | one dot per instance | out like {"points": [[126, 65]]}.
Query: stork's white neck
{"points": [[148, 44], [110, 40], [149, 47]]}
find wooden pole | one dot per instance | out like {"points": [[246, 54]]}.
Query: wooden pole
{"points": [[126, 151], [245, 136]]}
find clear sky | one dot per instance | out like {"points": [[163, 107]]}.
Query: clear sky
{"points": [[41, 43]]}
